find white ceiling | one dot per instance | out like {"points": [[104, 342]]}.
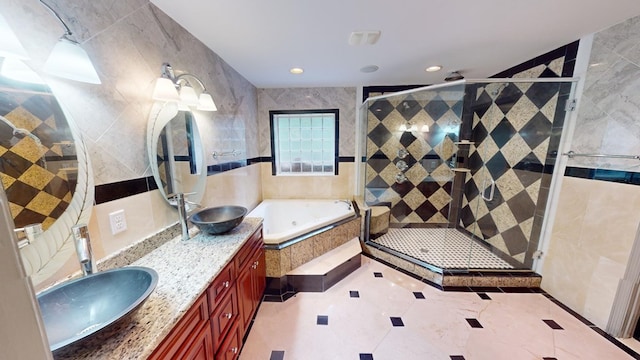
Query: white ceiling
{"points": [[263, 39]]}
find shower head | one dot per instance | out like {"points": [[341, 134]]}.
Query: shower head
{"points": [[453, 76]]}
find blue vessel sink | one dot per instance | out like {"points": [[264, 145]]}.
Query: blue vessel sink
{"points": [[79, 308]]}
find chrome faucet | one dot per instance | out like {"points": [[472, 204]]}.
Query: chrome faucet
{"points": [[31, 232], [182, 214], [82, 242], [346, 202], [181, 203]]}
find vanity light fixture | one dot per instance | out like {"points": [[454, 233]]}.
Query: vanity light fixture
{"points": [[296, 70], [172, 88], [68, 59]]}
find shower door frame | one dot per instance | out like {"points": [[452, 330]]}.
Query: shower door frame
{"points": [[364, 108]]}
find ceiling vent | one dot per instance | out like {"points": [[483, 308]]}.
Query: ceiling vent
{"points": [[364, 37]]}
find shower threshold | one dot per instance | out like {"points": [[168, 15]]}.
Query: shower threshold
{"points": [[448, 258]]}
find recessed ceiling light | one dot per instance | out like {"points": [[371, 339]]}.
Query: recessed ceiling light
{"points": [[369, 69], [296, 71], [433, 68]]}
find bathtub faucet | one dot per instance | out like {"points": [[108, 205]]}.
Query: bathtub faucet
{"points": [[346, 202]]}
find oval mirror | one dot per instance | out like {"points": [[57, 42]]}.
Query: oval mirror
{"points": [[175, 152], [45, 170]]}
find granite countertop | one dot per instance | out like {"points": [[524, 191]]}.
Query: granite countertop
{"points": [[185, 270]]}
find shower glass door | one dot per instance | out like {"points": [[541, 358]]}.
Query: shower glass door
{"points": [[516, 130], [412, 165]]}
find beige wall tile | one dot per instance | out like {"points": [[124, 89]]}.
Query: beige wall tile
{"points": [[590, 244], [309, 187]]}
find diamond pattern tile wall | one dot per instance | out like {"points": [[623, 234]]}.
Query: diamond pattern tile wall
{"points": [[512, 127], [37, 185], [426, 194]]}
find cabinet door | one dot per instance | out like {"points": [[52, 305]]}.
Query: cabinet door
{"points": [[245, 296], [201, 348], [183, 334], [230, 348], [259, 277]]}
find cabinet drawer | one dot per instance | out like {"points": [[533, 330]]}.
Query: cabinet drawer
{"points": [[184, 332], [230, 348], [225, 316], [221, 285]]}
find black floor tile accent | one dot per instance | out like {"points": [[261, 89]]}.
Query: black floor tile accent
{"points": [[552, 324], [366, 356], [485, 289], [396, 321], [354, 294], [517, 290], [456, 357], [377, 274], [418, 295], [322, 320], [277, 355], [474, 323], [484, 296]]}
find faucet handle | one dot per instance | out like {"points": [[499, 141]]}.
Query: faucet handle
{"points": [[31, 232], [82, 243], [177, 195]]}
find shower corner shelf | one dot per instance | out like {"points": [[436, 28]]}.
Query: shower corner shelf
{"points": [[460, 170]]}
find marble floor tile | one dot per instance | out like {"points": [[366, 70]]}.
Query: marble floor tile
{"points": [[388, 321]]}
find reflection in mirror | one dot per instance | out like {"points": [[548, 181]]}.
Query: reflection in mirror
{"points": [[44, 170], [175, 152]]}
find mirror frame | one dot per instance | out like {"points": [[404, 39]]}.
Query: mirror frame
{"points": [[161, 114], [49, 252]]}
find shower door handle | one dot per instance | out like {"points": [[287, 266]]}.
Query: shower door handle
{"points": [[484, 189]]}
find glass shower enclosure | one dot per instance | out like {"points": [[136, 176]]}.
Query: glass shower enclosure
{"points": [[465, 168]]}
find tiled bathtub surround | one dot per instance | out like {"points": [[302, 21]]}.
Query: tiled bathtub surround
{"points": [[281, 261]]}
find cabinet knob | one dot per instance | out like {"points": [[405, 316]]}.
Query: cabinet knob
{"points": [[226, 284], [234, 350], [228, 315]]}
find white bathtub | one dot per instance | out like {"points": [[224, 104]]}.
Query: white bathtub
{"points": [[288, 219]]}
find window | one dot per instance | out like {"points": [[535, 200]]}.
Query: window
{"points": [[304, 142]]}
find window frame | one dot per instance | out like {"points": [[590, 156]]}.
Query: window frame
{"points": [[336, 158]]}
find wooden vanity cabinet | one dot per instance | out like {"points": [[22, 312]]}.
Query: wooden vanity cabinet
{"points": [[191, 337], [214, 326], [251, 280]]}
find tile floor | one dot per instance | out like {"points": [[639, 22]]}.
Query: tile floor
{"points": [[394, 316], [442, 247]]}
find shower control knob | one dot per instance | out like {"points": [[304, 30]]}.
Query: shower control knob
{"points": [[400, 178], [402, 165]]}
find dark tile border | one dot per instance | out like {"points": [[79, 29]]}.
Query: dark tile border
{"points": [[122, 189], [118, 190], [569, 51], [617, 176]]}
